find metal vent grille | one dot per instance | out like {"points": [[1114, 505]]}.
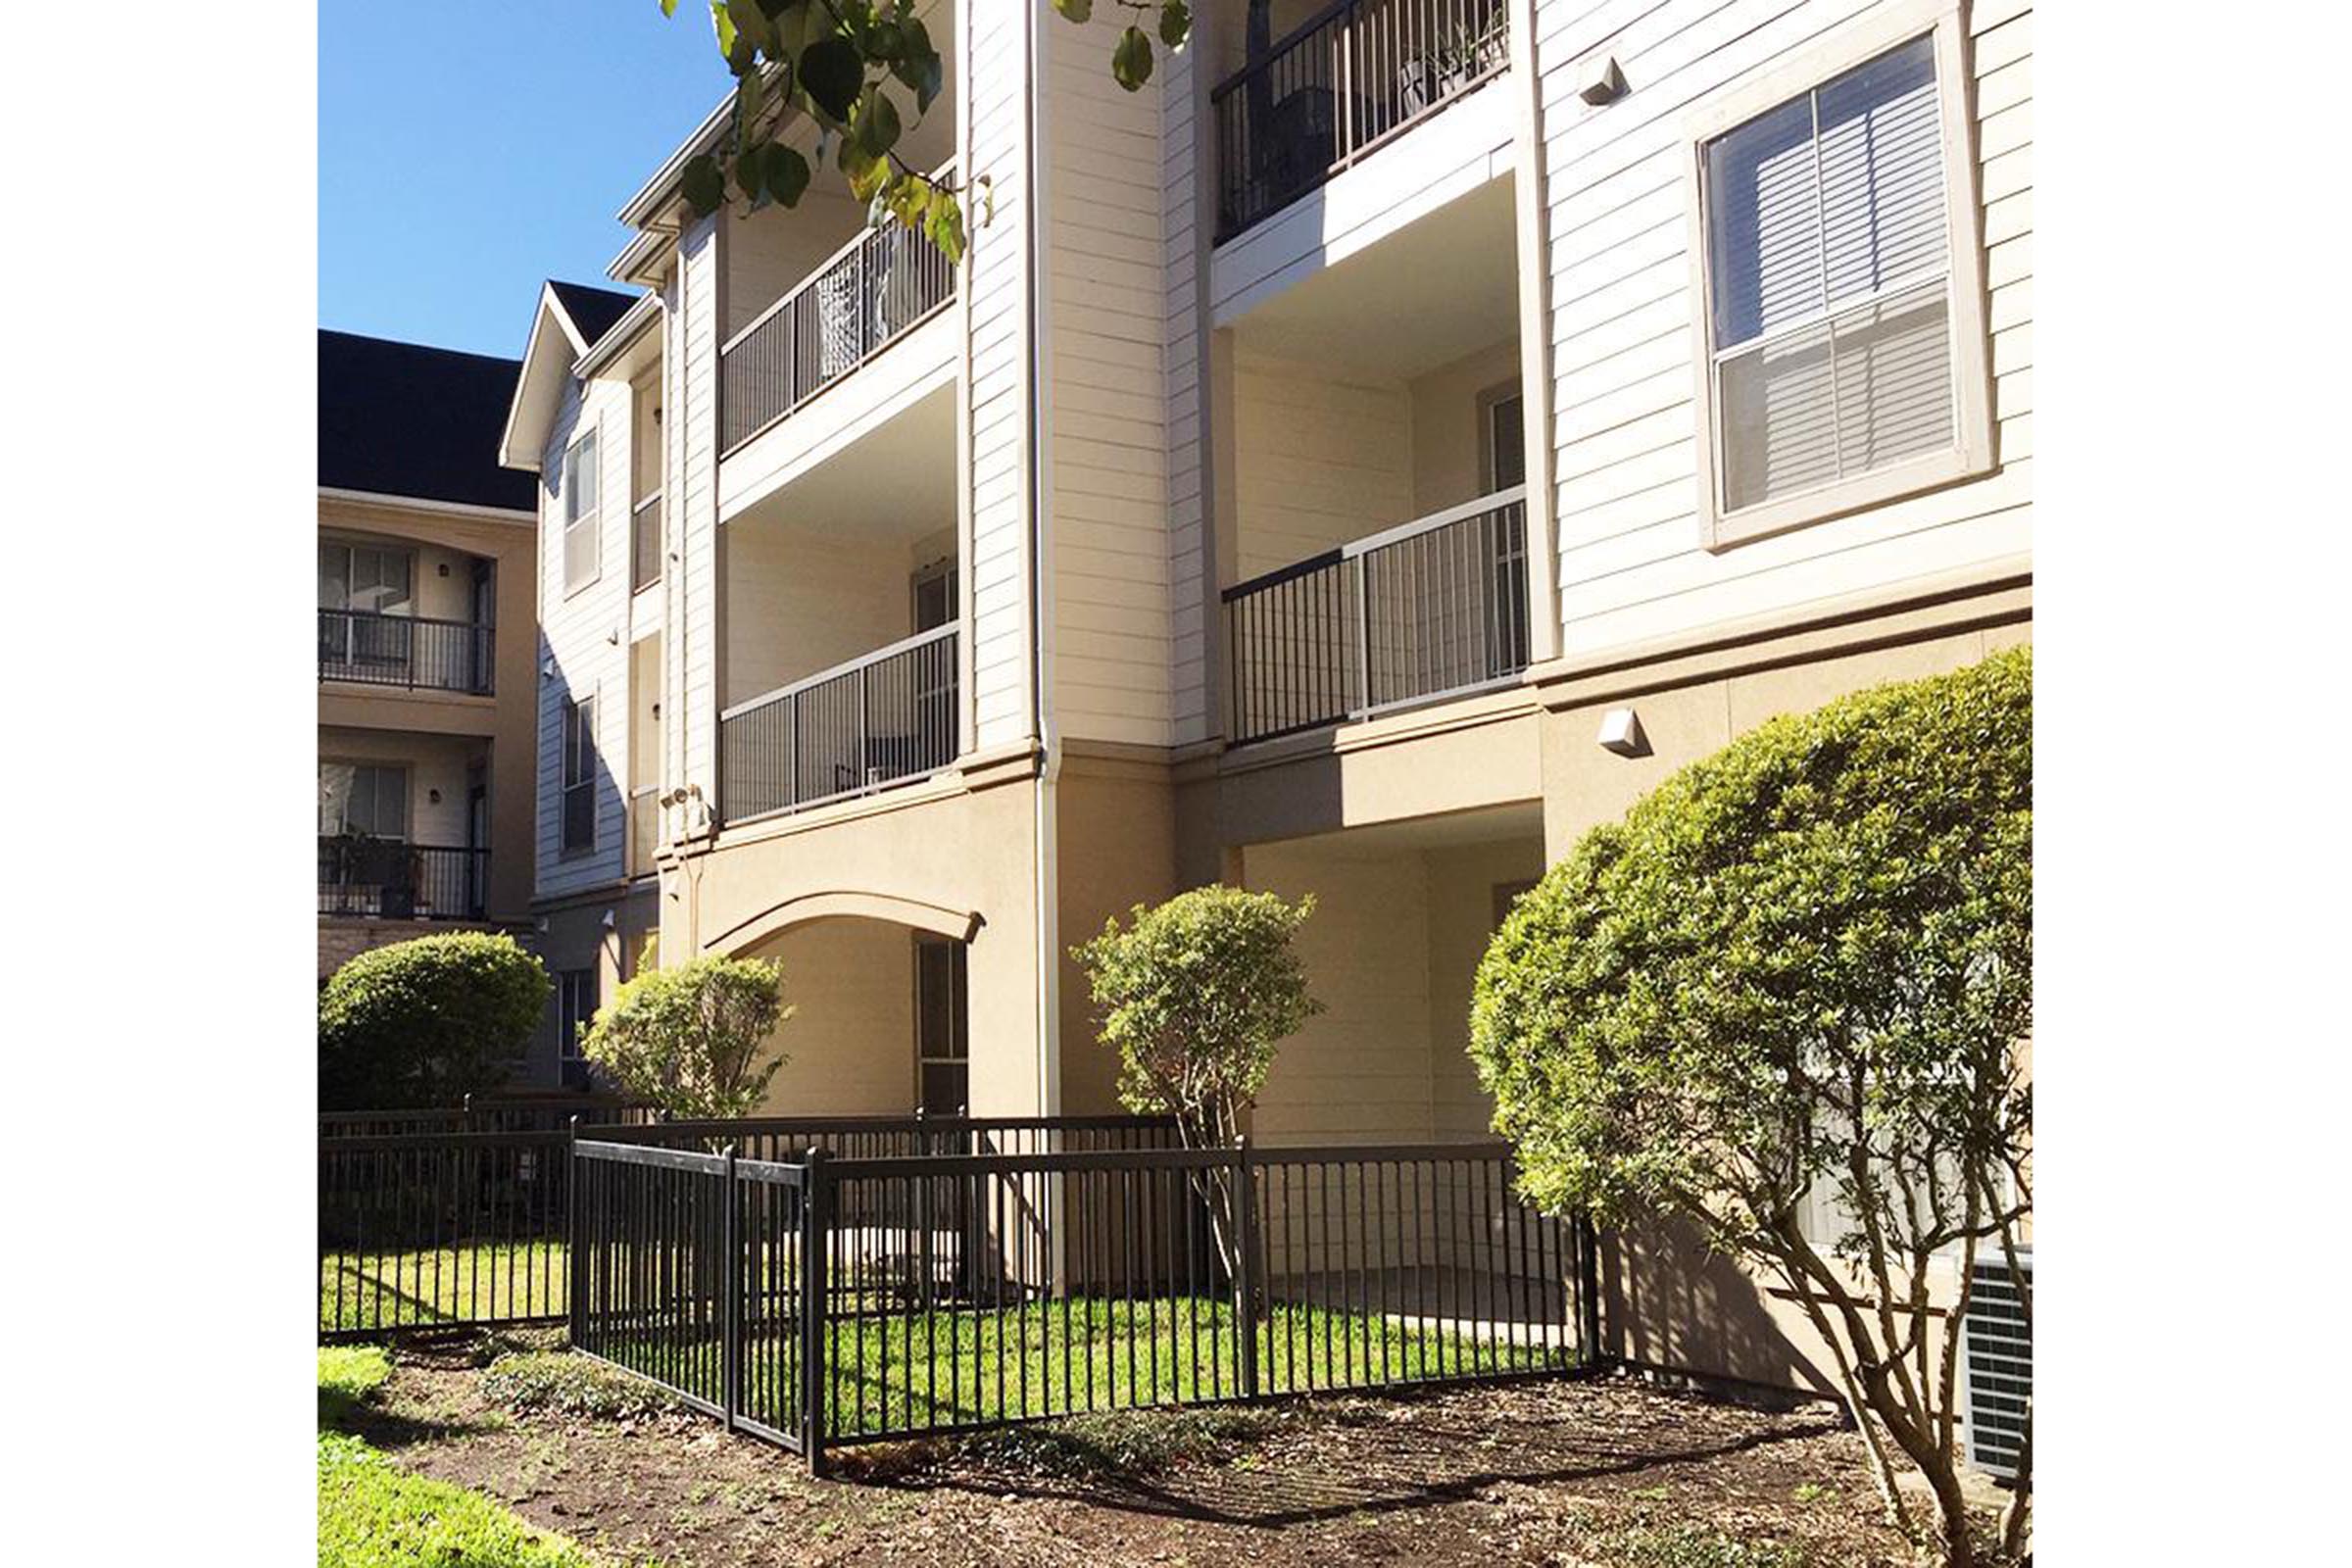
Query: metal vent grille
{"points": [[1999, 1353]]}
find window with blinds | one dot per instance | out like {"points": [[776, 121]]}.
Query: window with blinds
{"points": [[580, 482], [1831, 284]]}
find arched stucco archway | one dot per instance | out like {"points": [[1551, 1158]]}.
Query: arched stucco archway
{"points": [[957, 925]]}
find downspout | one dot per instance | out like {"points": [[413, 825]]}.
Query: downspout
{"points": [[1036, 286]]}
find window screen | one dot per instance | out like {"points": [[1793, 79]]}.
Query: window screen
{"points": [[942, 1042], [579, 774]]}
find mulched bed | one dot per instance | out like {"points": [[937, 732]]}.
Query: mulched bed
{"points": [[1606, 1472]]}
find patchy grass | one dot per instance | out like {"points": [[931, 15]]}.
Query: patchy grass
{"points": [[574, 1384], [913, 1371], [367, 1292], [347, 1376], [373, 1515]]}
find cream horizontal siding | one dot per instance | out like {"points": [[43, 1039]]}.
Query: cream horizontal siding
{"points": [[690, 656], [996, 310], [1320, 458], [1106, 348], [583, 635], [1622, 322]]}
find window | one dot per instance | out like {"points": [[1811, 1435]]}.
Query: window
{"points": [[1506, 437], [363, 800], [575, 1007], [365, 583], [935, 596], [580, 776], [1843, 362], [580, 482], [942, 1023]]}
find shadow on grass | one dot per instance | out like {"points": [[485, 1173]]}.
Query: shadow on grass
{"points": [[1430, 1463]]}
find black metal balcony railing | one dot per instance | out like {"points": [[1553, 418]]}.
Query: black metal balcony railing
{"points": [[407, 651], [389, 880], [1427, 610], [887, 717], [1336, 86], [645, 544], [865, 297]]}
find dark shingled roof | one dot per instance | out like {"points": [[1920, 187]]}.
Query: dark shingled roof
{"points": [[592, 310], [403, 420]]}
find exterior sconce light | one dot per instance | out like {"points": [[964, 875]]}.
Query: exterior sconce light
{"points": [[1621, 732], [1600, 81]]}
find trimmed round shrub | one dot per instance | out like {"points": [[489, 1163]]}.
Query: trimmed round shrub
{"points": [[428, 1022], [688, 1038]]}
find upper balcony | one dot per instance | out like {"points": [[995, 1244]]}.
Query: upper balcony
{"points": [[1336, 87], [856, 302], [408, 615]]}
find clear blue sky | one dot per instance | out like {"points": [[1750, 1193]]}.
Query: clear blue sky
{"points": [[468, 149]]}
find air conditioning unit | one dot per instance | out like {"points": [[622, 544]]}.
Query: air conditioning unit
{"points": [[1998, 1354]]}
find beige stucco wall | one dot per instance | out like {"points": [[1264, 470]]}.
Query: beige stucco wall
{"points": [[849, 1046], [504, 718], [940, 855]]}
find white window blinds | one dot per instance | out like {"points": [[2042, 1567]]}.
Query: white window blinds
{"points": [[579, 511], [1831, 269]]}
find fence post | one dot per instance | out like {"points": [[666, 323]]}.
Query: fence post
{"points": [[1588, 1292], [817, 1203], [924, 1217], [575, 1256], [1246, 1243], [730, 1339]]}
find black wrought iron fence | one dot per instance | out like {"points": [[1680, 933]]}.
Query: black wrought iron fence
{"points": [[858, 303], [392, 880], [407, 651], [1336, 86], [879, 719], [1426, 610], [820, 1301]]}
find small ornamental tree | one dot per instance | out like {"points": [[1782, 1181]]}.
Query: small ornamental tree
{"points": [[687, 1039], [1195, 996], [428, 1022], [1799, 974]]}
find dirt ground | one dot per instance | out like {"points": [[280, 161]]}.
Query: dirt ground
{"points": [[1608, 1473]]}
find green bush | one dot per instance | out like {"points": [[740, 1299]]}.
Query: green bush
{"points": [[428, 1022], [688, 1038], [574, 1384], [1794, 979]]}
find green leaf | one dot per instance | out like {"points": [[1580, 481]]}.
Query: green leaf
{"points": [[877, 125], [751, 24], [669, 8], [703, 185], [1080, 11], [831, 72], [1175, 24], [786, 173], [723, 23], [1130, 60]]}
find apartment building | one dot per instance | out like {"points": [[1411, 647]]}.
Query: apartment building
{"points": [[1374, 454], [425, 587]]}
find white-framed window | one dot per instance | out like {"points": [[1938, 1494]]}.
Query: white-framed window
{"points": [[942, 1027], [368, 800], [579, 497], [1502, 437], [1837, 256], [580, 776]]}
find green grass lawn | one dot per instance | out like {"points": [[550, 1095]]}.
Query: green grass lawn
{"points": [[372, 1514], [1049, 1359], [365, 1292]]}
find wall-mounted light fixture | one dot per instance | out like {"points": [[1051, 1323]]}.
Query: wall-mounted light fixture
{"points": [[1621, 732], [1600, 81]]}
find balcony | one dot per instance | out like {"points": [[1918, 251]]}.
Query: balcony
{"points": [[857, 302], [1434, 608], [884, 718], [1351, 78], [386, 879], [412, 651]]}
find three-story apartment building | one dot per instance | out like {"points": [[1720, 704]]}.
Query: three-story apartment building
{"points": [[426, 588], [1357, 464]]}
